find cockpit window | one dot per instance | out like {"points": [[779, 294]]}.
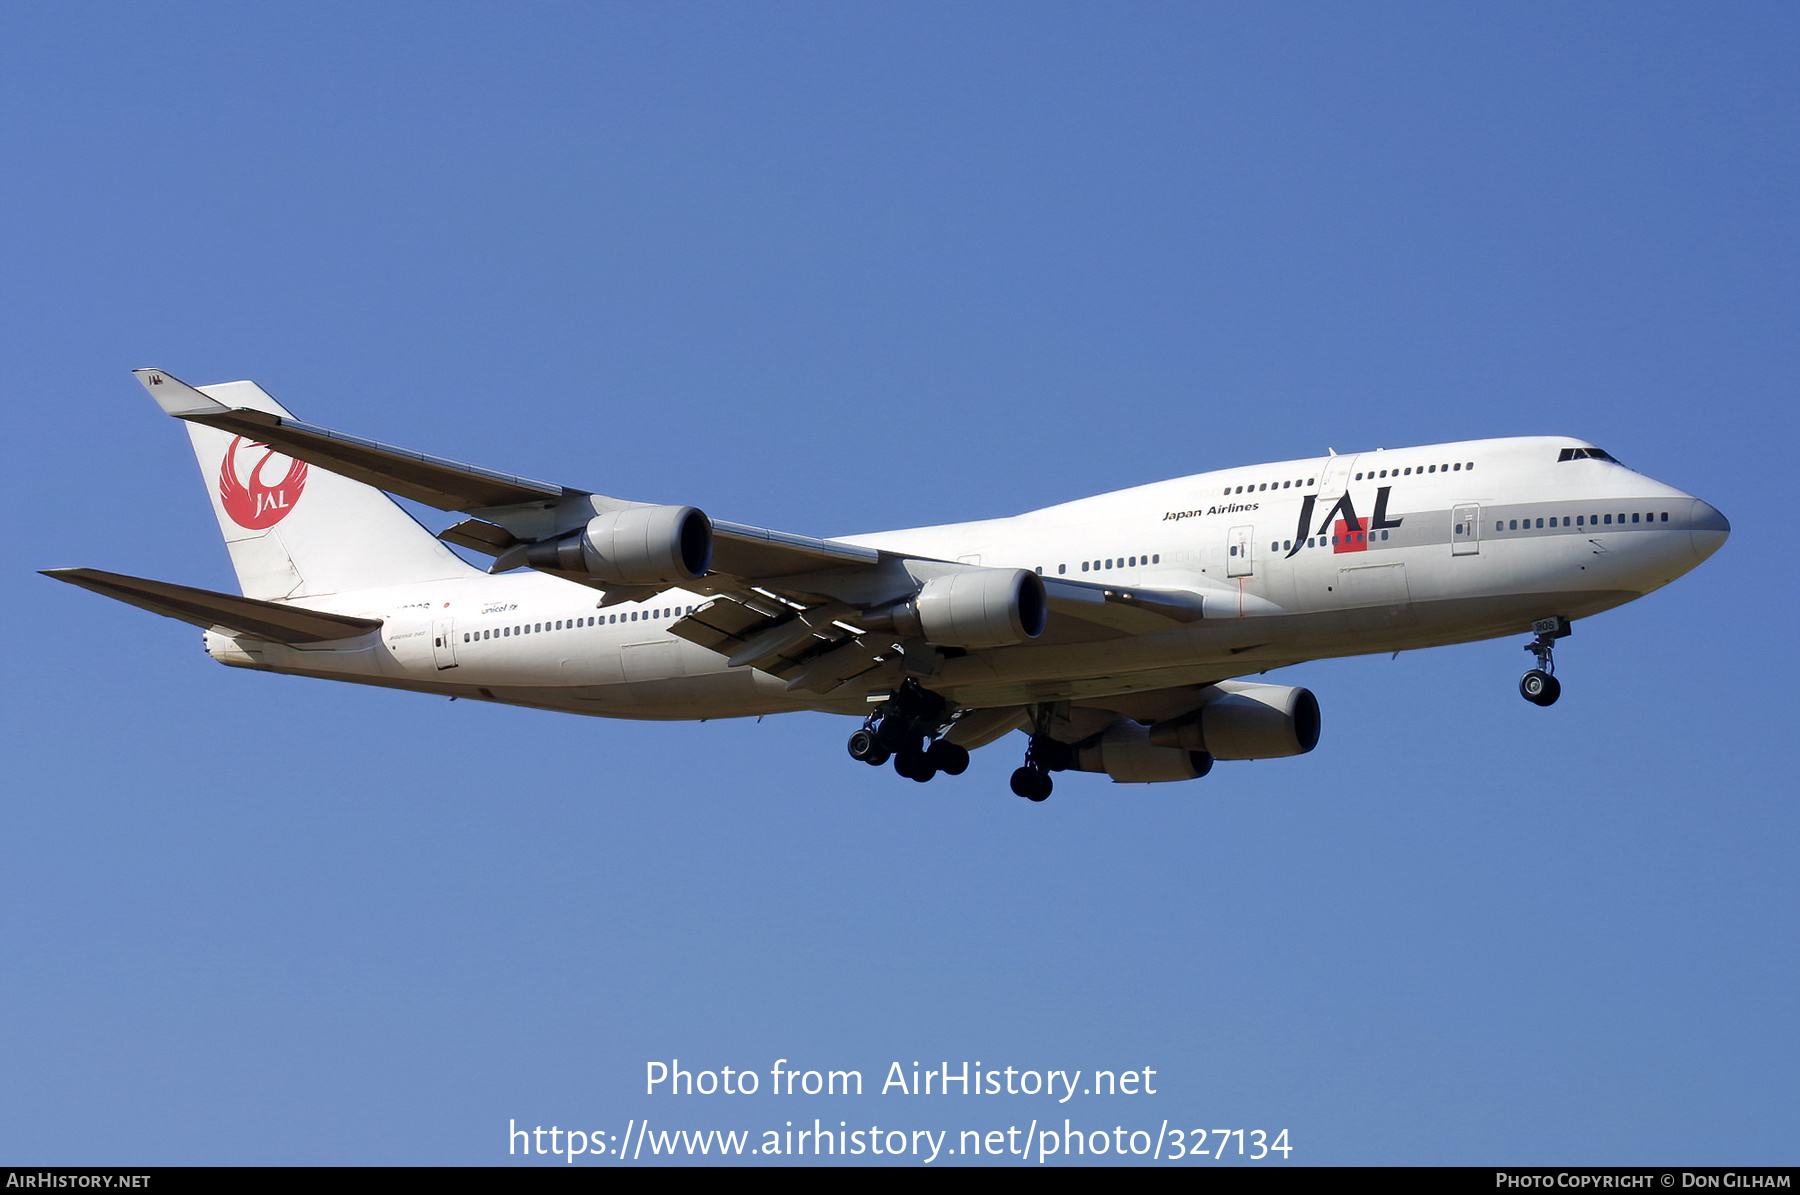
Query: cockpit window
{"points": [[1586, 454]]}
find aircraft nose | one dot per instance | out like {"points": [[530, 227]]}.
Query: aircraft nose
{"points": [[1707, 529]]}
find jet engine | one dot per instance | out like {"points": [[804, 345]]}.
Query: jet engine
{"points": [[974, 608], [640, 545], [1246, 721], [1126, 753]]}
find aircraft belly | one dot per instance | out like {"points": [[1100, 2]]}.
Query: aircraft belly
{"points": [[722, 693], [1240, 647], [738, 693], [364, 660]]}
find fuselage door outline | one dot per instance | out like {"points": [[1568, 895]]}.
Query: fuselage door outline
{"points": [[1465, 530], [443, 650], [1237, 553]]}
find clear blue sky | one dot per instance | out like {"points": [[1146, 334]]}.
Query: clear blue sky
{"points": [[839, 268]]}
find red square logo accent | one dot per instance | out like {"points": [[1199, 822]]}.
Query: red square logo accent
{"points": [[1350, 536]]}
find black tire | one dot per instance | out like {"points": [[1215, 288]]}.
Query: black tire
{"points": [[863, 747], [948, 758], [1031, 784], [1539, 687], [914, 765]]}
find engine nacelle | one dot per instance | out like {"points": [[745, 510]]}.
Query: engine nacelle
{"points": [[1246, 721], [975, 608], [641, 545], [1125, 753]]}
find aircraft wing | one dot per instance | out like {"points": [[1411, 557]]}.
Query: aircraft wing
{"points": [[757, 553], [434, 481], [1130, 610], [786, 601], [821, 646], [503, 502]]}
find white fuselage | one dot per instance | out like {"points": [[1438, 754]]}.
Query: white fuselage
{"points": [[1399, 549]]}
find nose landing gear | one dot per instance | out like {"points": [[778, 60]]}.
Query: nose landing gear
{"points": [[1540, 686]]}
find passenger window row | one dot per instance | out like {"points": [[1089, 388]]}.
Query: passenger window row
{"points": [[1579, 521], [1110, 562], [1322, 541], [1268, 485], [569, 624], [1408, 472]]}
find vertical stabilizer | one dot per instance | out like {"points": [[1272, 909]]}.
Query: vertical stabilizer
{"points": [[295, 530]]}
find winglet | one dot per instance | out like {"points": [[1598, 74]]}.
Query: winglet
{"points": [[175, 396]]}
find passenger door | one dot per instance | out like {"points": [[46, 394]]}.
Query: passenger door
{"points": [[443, 640], [1238, 550], [1334, 480], [1465, 530]]}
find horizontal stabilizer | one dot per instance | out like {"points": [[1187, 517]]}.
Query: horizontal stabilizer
{"points": [[445, 484], [204, 608]]}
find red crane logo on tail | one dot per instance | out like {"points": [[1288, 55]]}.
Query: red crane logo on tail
{"points": [[250, 501]]}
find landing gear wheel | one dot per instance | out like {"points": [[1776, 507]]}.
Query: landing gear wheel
{"points": [[865, 747], [862, 746], [948, 758], [1031, 784], [914, 765], [1539, 687]]}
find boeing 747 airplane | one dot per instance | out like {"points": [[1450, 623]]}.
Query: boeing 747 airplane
{"points": [[1109, 629]]}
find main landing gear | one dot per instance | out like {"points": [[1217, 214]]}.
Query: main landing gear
{"points": [[908, 728], [1043, 755], [1540, 686], [904, 729]]}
